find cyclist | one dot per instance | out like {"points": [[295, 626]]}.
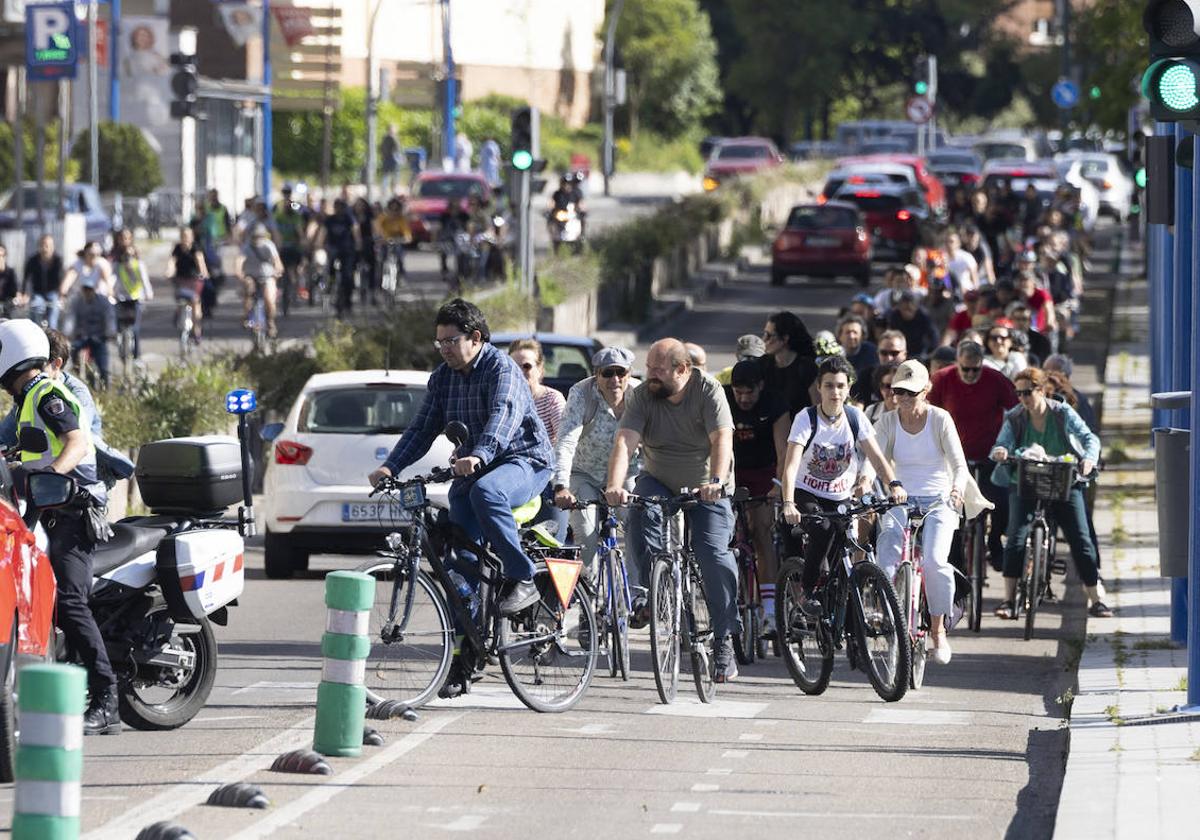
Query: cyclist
{"points": [[95, 322], [132, 289], [340, 238], [852, 335], [823, 467], [90, 265], [9, 290], [481, 386], [585, 438], [213, 227], [290, 225], [921, 442], [188, 268], [789, 363], [1057, 430], [760, 432], [41, 283], [680, 418], [259, 265], [748, 347], [977, 396], [396, 233], [73, 529]]}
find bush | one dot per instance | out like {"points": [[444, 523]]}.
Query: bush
{"points": [[652, 153], [128, 164], [181, 400], [50, 149]]}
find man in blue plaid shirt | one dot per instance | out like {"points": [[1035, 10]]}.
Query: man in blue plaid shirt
{"points": [[482, 387]]}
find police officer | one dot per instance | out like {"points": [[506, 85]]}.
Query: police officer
{"points": [[48, 405]]}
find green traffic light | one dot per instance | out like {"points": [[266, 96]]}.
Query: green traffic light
{"points": [[1177, 88], [921, 87], [522, 160], [1139, 178], [1095, 92]]}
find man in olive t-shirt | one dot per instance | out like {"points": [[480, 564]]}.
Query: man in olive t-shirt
{"points": [[681, 420]]}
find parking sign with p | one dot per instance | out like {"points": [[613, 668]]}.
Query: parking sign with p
{"points": [[51, 41]]}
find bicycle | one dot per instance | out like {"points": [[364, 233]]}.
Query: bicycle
{"points": [[750, 643], [870, 623], [393, 268], [126, 311], [678, 611], [613, 609], [547, 651], [257, 321], [973, 534], [910, 593]]}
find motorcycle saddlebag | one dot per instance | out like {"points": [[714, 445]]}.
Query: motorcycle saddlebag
{"points": [[201, 571], [190, 474]]}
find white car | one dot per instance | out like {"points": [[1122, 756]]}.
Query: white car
{"points": [[340, 429], [1113, 183]]}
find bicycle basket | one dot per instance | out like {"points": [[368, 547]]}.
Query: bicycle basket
{"points": [[1049, 481]]}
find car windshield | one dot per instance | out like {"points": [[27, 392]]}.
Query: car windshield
{"points": [[822, 218], [952, 160], [991, 151], [384, 409], [449, 188], [749, 152], [49, 196], [566, 361], [873, 202]]}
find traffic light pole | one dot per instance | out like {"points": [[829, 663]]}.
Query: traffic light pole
{"points": [[1193, 579], [610, 92], [93, 96], [525, 242]]}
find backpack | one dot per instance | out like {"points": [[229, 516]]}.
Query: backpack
{"points": [[812, 420]]}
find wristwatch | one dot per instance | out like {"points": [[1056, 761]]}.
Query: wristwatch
{"points": [[896, 483], [558, 487], [715, 480]]}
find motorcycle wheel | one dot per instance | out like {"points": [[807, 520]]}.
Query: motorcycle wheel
{"points": [[186, 702], [8, 709]]}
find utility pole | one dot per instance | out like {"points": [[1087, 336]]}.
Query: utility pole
{"points": [[267, 127], [372, 100], [1064, 24], [114, 60], [448, 128], [933, 92], [93, 95], [610, 93]]}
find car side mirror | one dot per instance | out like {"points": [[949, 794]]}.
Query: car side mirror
{"points": [[271, 431], [50, 489], [457, 433], [30, 439]]}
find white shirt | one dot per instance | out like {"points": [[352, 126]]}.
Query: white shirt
{"points": [[964, 268], [919, 463], [831, 463]]}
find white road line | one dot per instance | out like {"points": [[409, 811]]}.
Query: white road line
{"points": [[277, 686], [735, 753], [666, 828], [227, 717], [467, 822], [750, 736], [292, 811], [718, 771], [685, 807], [718, 708], [875, 815], [704, 787], [178, 798], [917, 717]]}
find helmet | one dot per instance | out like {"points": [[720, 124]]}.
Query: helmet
{"points": [[23, 346]]}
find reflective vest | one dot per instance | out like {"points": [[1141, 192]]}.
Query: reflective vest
{"points": [[131, 279], [85, 470]]}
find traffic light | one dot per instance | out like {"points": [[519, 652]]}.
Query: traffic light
{"points": [[1094, 92], [524, 140], [184, 84], [921, 77], [1172, 82]]}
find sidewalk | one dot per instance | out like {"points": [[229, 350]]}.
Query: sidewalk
{"points": [[1134, 767]]}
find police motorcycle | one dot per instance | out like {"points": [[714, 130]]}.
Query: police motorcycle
{"points": [[162, 580], [565, 220]]}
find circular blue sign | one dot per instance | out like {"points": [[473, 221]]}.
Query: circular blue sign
{"points": [[1065, 93]]}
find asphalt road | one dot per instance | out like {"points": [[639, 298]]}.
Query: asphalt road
{"points": [[978, 752]]}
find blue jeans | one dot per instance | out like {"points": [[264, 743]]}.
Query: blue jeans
{"points": [[46, 305], [1070, 515], [483, 508], [937, 535], [711, 524]]}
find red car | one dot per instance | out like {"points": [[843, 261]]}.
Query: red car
{"points": [[433, 193], [935, 193], [822, 240], [895, 216], [736, 156]]}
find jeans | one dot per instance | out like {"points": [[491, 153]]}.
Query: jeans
{"points": [[70, 548], [483, 508], [550, 513], [1070, 516], [711, 525], [586, 530], [131, 312], [937, 535], [344, 274], [45, 306], [99, 350]]}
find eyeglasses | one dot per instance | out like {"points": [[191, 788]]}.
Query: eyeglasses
{"points": [[999, 337], [609, 373], [443, 343], [767, 336], [527, 366], [974, 369], [889, 354], [1024, 392]]}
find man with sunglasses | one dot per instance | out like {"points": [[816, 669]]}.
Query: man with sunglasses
{"points": [[976, 396]]}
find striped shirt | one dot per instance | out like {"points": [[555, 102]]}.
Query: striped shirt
{"points": [[550, 406]]}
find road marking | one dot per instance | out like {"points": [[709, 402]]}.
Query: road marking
{"points": [[291, 812], [666, 828], [685, 807], [591, 729], [692, 707], [917, 717], [227, 717], [178, 798], [875, 815], [480, 697], [277, 686], [704, 787], [718, 771], [750, 736], [467, 822], [767, 722], [735, 753]]}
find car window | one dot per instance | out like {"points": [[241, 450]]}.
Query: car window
{"points": [[449, 188], [873, 202], [50, 196], [566, 361], [1093, 168], [361, 409], [822, 218], [747, 152]]}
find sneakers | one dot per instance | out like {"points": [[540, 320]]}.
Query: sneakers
{"points": [[1099, 609], [768, 623], [639, 615], [103, 716], [941, 649], [1006, 609], [811, 606], [724, 662], [523, 594]]}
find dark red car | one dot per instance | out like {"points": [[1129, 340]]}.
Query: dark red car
{"points": [[822, 240], [737, 156], [895, 216], [433, 193]]}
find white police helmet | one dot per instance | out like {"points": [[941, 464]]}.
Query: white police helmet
{"points": [[23, 346]]}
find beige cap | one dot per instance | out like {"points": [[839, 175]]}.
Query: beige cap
{"points": [[911, 376]]}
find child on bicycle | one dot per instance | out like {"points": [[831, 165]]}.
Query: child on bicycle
{"points": [[260, 264]]}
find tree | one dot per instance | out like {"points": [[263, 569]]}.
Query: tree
{"points": [[1113, 51], [667, 48], [128, 164]]}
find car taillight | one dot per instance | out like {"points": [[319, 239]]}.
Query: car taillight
{"points": [[861, 234], [290, 452], [822, 198], [1108, 185], [969, 178], [903, 215]]}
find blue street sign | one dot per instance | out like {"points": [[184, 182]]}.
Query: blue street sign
{"points": [[1065, 93], [51, 41]]}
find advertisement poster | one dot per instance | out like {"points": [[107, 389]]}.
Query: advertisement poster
{"points": [[145, 71]]}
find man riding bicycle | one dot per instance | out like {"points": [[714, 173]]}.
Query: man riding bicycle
{"points": [[289, 225], [482, 387], [680, 418]]}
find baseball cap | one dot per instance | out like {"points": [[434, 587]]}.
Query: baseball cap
{"points": [[613, 357], [746, 374], [910, 376], [750, 346]]}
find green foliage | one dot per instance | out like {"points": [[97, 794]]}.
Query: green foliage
{"points": [[181, 400], [50, 149], [127, 162], [650, 152], [563, 277], [1113, 49]]}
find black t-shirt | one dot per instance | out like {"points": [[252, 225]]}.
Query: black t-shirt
{"points": [[339, 230], [8, 284], [753, 431], [42, 278], [563, 197], [792, 382], [187, 265]]}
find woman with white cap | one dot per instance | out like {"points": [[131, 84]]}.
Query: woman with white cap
{"points": [[922, 443]]}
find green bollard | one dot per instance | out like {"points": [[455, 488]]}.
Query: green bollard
{"points": [[341, 695], [49, 767]]}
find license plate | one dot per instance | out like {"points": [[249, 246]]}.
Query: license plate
{"points": [[386, 513], [822, 242]]}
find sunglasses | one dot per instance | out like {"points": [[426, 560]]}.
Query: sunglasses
{"points": [[527, 366], [1024, 392], [999, 337], [609, 373], [889, 354], [974, 369]]}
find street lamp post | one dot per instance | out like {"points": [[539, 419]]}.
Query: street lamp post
{"points": [[610, 94], [448, 127], [372, 100]]}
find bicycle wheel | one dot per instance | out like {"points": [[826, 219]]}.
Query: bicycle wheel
{"points": [[618, 617], [977, 549], [548, 653], [880, 631], [700, 637], [664, 628], [906, 579], [804, 640], [1035, 575], [744, 647], [919, 636], [412, 668]]}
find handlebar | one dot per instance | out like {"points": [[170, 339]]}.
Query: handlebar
{"points": [[392, 484]]}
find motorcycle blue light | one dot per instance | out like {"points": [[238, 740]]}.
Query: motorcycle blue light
{"points": [[241, 401]]}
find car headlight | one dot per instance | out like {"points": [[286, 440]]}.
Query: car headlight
{"points": [[561, 215], [710, 183]]}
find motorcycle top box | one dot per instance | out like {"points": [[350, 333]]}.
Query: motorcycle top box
{"points": [[201, 571], [190, 474]]}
